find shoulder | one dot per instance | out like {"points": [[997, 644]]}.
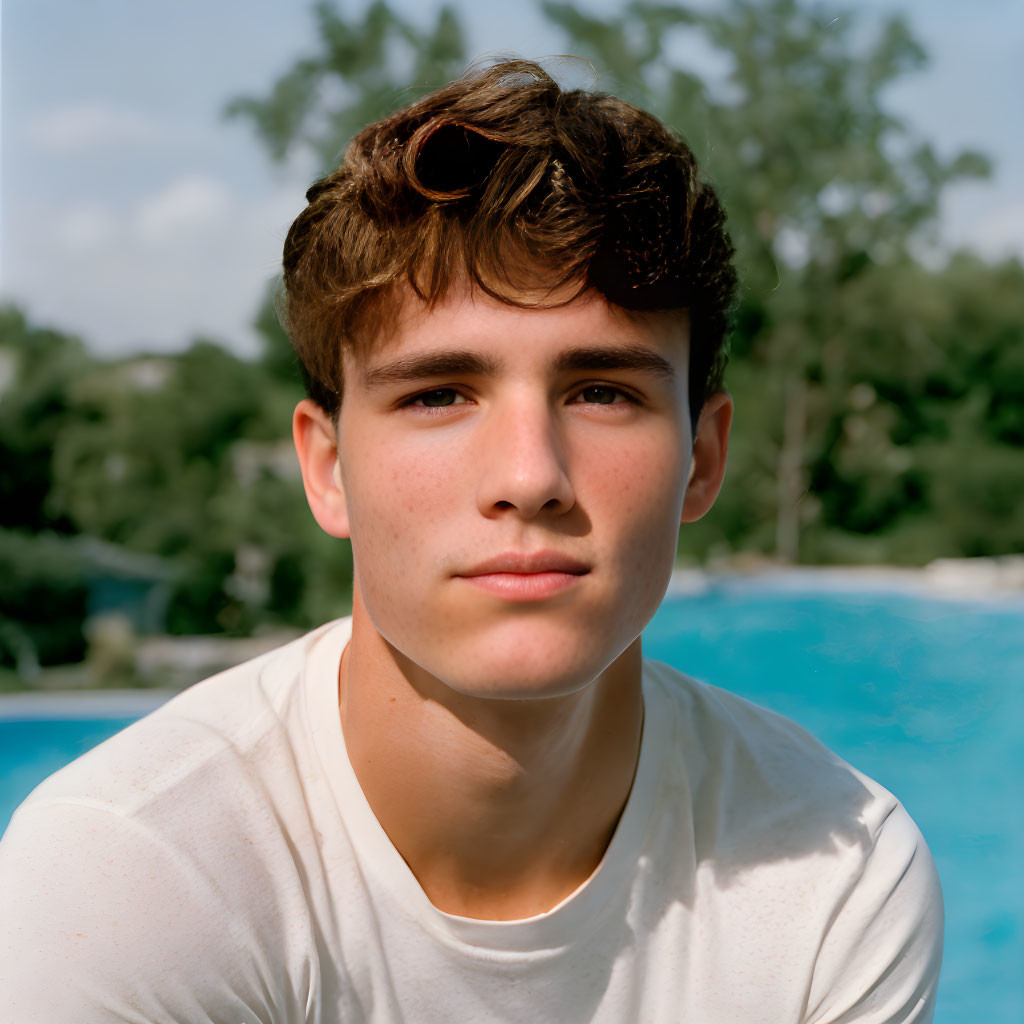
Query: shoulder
{"points": [[879, 957], [235, 721], [794, 843], [164, 866], [761, 786], [771, 771], [142, 929], [197, 773]]}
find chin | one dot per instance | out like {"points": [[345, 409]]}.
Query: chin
{"points": [[531, 670], [517, 686]]}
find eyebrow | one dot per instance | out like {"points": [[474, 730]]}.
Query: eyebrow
{"points": [[433, 364], [619, 357], [466, 363]]}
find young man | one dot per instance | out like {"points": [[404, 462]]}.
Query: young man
{"points": [[474, 800]]}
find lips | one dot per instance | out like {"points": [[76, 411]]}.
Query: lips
{"points": [[519, 563], [521, 577]]}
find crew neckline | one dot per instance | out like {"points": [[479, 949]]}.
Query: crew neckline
{"points": [[380, 860]]}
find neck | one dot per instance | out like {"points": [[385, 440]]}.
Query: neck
{"points": [[501, 808]]}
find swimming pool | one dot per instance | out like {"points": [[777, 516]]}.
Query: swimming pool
{"points": [[923, 695]]}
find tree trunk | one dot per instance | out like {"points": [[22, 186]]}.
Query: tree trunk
{"points": [[791, 482]]}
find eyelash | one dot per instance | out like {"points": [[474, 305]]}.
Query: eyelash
{"points": [[412, 400]]}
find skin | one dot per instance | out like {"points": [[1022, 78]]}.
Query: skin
{"points": [[494, 730]]}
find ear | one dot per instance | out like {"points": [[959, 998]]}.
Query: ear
{"points": [[317, 447], [707, 465]]}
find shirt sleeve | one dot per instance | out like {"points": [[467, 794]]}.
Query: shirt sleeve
{"points": [[101, 921], [879, 959]]}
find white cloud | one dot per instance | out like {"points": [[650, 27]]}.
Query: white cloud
{"points": [[182, 208], [86, 228], [89, 125], [190, 260]]}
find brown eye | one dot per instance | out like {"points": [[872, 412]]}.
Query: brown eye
{"points": [[438, 398], [598, 394]]}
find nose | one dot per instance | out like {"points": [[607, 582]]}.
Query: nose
{"points": [[523, 463]]}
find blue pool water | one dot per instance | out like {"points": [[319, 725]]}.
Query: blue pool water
{"points": [[927, 697], [33, 747], [924, 696]]}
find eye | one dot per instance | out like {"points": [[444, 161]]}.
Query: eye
{"points": [[437, 398], [602, 394]]}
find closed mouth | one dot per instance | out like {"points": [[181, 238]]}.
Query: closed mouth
{"points": [[523, 564]]}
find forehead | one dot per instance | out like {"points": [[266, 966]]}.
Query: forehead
{"points": [[544, 326]]}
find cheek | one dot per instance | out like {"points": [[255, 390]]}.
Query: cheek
{"points": [[640, 487], [641, 498], [396, 502]]}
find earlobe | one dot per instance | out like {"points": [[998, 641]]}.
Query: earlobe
{"points": [[317, 449], [707, 465]]}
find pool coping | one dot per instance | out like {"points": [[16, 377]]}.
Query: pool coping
{"points": [[944, 580], [82, 703]]}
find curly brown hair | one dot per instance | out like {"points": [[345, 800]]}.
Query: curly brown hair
{"points": [[525, 190]]}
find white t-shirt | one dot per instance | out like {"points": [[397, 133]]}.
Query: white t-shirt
{"points": [[217, 862]]}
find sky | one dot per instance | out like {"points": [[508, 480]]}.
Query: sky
{"points": [[133, 214]]}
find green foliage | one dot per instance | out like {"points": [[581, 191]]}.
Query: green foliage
{"points": [[841, 365], [879, 402], [183, 458], [363, 70], [278, 357], [37, 370], [828, 195], [43, 597]]}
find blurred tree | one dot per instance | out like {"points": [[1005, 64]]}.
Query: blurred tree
{"points": [[43, 598], [364, 68], [42, 582], [830, 199], [277, 356], [958, 409], [823, 188], [880, 401], [181, 458], [187, 457], [38, 368]]}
